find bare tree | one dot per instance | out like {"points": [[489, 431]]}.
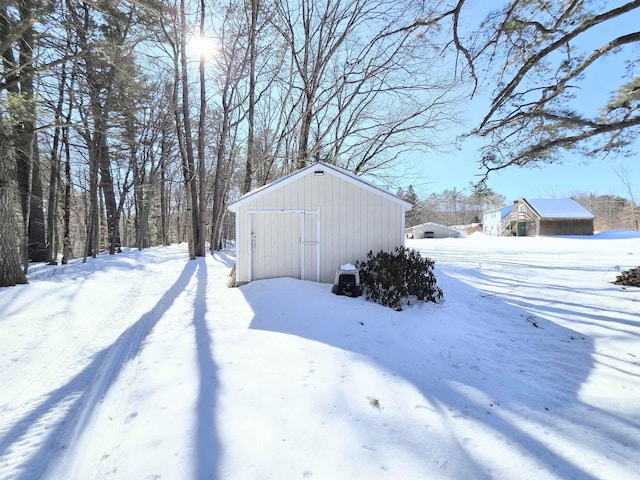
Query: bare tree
{"points": [[632, 211], [251, 145], [58, 142], [175, 28], [231, 72], [612, 212], [191, 179], [201, 168], [366, 85]]}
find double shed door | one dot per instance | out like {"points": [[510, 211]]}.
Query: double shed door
{"points": [[285, 243]]}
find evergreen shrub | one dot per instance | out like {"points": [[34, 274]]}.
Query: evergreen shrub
{"points": [[392, 279]]}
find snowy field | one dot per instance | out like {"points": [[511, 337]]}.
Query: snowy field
{"points": [[145, 366]]}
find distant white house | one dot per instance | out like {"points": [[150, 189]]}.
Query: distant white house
{"points": [[493, 221], [431, 230], [542, 216], [309, 223]]}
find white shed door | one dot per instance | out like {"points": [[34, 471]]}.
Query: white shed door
{"points": [[275, 245], [311, 246]]}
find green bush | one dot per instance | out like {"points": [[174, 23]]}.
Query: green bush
{"points": [[393, 278]]}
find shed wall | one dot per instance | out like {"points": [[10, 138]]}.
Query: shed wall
{"points": [[436, 231], [353, 220]]}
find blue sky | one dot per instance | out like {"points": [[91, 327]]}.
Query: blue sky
{"points": [[436, 172]]}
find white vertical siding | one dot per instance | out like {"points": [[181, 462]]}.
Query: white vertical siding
{"points": [[491, 222], [353, 220]]}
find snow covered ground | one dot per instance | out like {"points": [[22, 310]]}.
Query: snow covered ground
{"points": [[146, 366]]}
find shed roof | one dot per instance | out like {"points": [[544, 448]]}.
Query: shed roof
{"points": [[560, 208], [312, 170], [430, 225]]}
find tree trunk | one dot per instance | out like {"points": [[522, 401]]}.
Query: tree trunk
{"points": [[54, 177], [66, 218], [19, 88], [141, 204], [186, 225], [28, 147], [52, 204], [37, 234], [91, 248], [219, 180], [202, 172], [10, 271], [248, 172], [305, 131], [164, 220], [190, 173], [106, 185]]}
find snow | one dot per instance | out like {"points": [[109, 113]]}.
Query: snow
{"points": [[348, 267], [146, 366], [559, 208]]}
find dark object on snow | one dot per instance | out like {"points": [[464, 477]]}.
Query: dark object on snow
{"points": [[630, 278], [347, 283]]}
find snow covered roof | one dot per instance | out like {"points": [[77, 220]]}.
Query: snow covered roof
{"points": [[505, 211], [558, 208], [429, 225], [316, 168]]}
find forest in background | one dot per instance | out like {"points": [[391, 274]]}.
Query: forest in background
{"points": [[135, 122], [454, 207]]}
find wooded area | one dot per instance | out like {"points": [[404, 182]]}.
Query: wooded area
{"points": [[134, 122], [454, 207]]}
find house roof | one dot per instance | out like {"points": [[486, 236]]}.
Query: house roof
{"points": [[505, 211], [558, 208], [311, 170]]}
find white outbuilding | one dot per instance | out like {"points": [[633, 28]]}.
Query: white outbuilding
{"points": [[431, 230], [309, 223]]}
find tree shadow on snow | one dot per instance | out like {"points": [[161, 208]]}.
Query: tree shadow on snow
{"points": [[507, 376], [81, 394], [207, 444], [518, 291], [81, 274], [222, 257]]}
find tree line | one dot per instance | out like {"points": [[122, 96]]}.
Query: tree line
{"points": [[115, 129], [453, 207], [449, 207], [612, 212]]}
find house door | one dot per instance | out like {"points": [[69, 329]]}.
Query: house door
{"points": [[275, 245], [522, 229]]}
